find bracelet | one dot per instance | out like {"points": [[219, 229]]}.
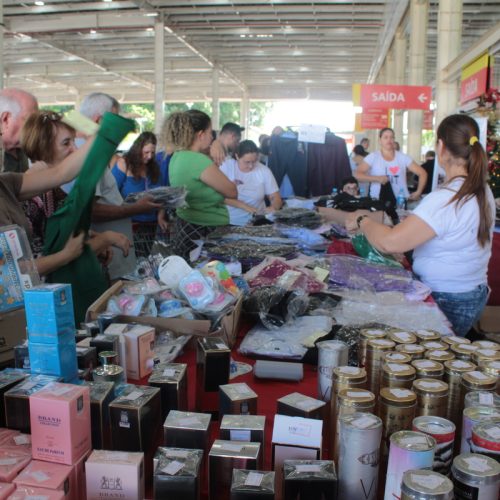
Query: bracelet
{"points": [[359, 219]]}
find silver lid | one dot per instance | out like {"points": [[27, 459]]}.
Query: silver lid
{"points": [[423, 484], [475, 469]]}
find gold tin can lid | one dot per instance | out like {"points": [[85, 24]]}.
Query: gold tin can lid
{"points": [[430, 386], [454, 339], [349, 373], [459, 366], [397, 396], [480, 413], [477, 379], [426, 335], [380, 345], [356, 397], [398, 370], [435, 345], [491, 368], [463, 349], [424, 366], [438, 355], [372, 333], [410, 348], [397, 357], [481, 355], [402, 337], [487, 344]]}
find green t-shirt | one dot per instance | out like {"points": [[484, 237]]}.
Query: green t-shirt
{"points": [[206, 205]]}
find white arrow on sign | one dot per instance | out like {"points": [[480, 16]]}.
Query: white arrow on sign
{"points": [[422, 98]]}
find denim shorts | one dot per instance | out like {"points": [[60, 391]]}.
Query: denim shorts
{"points": [[462, 309]]}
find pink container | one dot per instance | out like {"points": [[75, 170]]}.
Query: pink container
{"points": [[16, 440], [77, 484], [12, 462], [6, 489], [25, 493], [60, 423], [46, 475]]}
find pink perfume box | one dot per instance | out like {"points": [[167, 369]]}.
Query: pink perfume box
{"points": [[115, 474], [12, 462], [46, 475], [139, 344], [27, 493], [16, 440], [6, 489], [60, 423], [77, 486]]}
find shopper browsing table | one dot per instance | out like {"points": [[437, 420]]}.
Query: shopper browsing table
{"points": [[451, 230]]}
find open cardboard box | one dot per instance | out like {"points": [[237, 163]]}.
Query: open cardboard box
{"points": [[201, 328], [489, 323]]}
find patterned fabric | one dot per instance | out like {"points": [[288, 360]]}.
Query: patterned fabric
{"points": [[184, 235]]}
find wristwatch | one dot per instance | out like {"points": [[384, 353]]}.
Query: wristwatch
{"points": [[359, 219]]}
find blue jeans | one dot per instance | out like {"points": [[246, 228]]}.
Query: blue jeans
{"points": [[462, 309]]}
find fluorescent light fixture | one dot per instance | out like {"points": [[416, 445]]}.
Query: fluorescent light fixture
{"points": [[39, 3], [151, 14], [149, 29], [107, 0], [93, 32]]}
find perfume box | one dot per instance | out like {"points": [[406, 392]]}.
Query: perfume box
{"points": [[49, 313], [12, 462], [46, 475], [252, 485], [22, 356], [15, 440], [177, 474], [104, 343], [115, 474], [299, 405], [6, 489], [101, 394], [184, 429], [212, 364], [309, 479], [60, 423], [8, 380], [58, 359], [29, 493], [225, 456], [237, 399], [86, 357], [17, 404], [140, 342], [77, 485], [134, 419], [171, 379]]}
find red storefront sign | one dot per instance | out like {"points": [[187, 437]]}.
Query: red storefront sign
{"points": [[395, 96], [474, 80], [374, 119], [428, 119]]}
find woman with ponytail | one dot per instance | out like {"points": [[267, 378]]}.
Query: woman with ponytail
{"points": [[189, 135], [451, 229]]}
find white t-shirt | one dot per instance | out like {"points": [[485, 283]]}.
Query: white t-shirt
{"points": [[252, 187], [453, 261], [395, 170]]}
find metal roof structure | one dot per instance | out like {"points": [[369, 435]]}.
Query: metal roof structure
{"points": [[275, 49]]}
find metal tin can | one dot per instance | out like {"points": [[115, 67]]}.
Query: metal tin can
{"points": [[423, 484], [401, 337], [463, 351], [453, 339], [487, 344], [435, 345], [427, 368], [471, 417], [358, 464], [416, 351], [486, 439], [477, 381], [426, 335], [481, 398], [397, 375], [331, 354], [475, 476], [443, 431], [364, 336], [375, 349], [481, 356], [397, 357], [409, 450], [492, 368], [432, 397], [439, 355], [453, 371]]}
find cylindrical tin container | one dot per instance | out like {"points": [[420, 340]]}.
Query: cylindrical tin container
{"points": [[375, 350], [471, 417], [486, 439], [481, 398], [475, 476], [477, 381], [350, 401], [481, 356], [453, 339], [359, 437], [364, 336], [416, 351], [402, 337], [427, 368], [409, 450], [331, 354], [492, 368], [453, 371], [443, 431], [435, 345], [397, 375], [432, 397], [423, 484], [397, 357], [427, 335], [463, 351], [439, 355], [487, 344]]}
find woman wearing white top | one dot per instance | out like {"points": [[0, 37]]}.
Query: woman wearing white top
{"points": [[451, 229], [254, 182], [389, 165]]}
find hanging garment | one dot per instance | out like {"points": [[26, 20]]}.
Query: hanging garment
{"points": [[327, 165], [84, 273]]}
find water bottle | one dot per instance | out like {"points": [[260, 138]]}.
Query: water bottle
{"points": [[361, 192], [334, 191], [401, 199]]}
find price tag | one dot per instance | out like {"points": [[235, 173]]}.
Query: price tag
{"points": [[173, 468], [460, 364], [426, 364], [360, 394], [239, 435], [232, 447], [312, 133], [176, 453], [221, 346], [133, 395], [39, 476], [364, 422], [350, 370], [414, 440], [486, 398], [189, 421], [308, 468], [427, 481], [117, 456], [8, 461], [169, 372], [430, 385], [401, 393], [493, 432], [477, 464], [307, 404], [300, 430], [478, 375], [395, 356], [22, 439], [397, 368], [254, 479]]}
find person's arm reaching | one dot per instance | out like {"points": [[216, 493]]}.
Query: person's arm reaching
{"points": [[213, 177], [102, 212], [276, 201], [240, 204], [422, 180], [47, 264], [362, 175]]}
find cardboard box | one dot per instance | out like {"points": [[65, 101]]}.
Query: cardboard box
{"points": [[12, 462], [6, 489], [184, 429], [28, 493], [200, 328], [252, 485], [46, 475], [12, 333], [22, 356], [140, 342], [101, 394], [14, 440], [299, 405], [237, 399], [86, 357], [8, 380], [60, 423], [77, 483], [309, 479], [115, 474]]}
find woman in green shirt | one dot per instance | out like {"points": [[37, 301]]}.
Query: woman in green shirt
{"points": [[189, 134]]}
